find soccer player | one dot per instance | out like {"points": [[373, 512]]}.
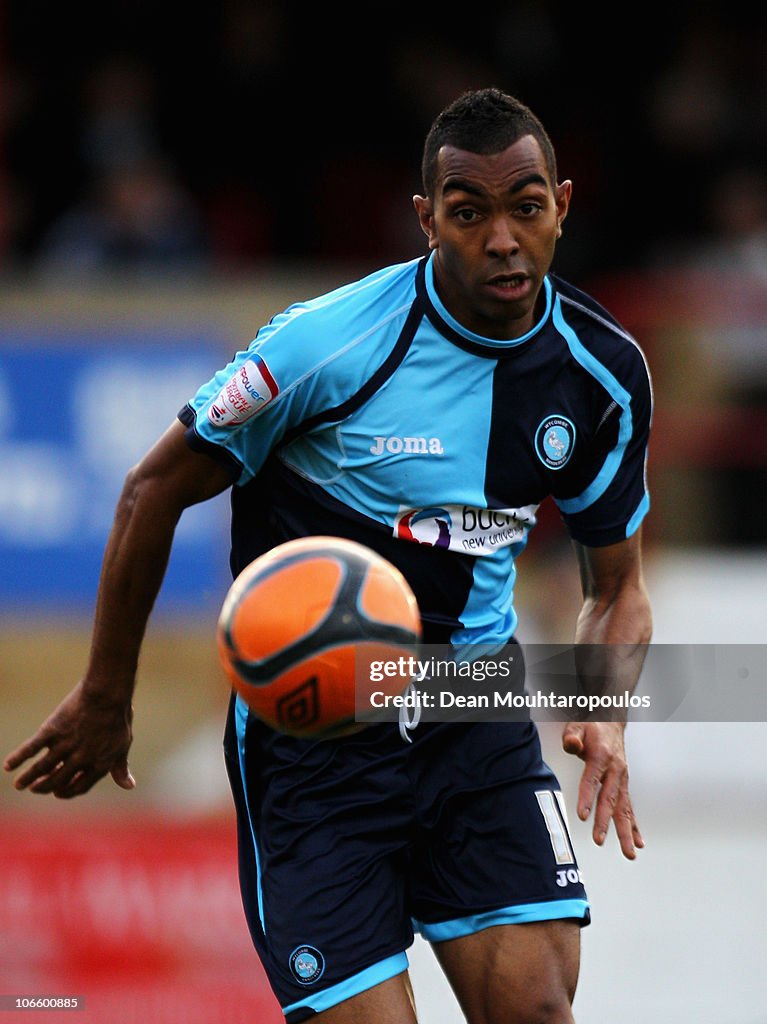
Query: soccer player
{"points": [[425, 411]]}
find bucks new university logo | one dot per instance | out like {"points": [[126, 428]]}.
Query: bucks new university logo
{"points": [[554, 441]]}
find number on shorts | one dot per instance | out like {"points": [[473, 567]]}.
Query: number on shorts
{"points": [[553, 812]]}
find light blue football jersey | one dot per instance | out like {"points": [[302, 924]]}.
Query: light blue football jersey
{"points": [[371, 413]]}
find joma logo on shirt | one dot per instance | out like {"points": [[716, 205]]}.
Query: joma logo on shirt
{"points": [[407, 445]]}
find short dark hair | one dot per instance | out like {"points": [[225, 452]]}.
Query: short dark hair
{"points": [[483, 121]]}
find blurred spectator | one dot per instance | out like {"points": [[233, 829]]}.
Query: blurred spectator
{"points": [[692, 98], [266, 114], [706, 112], [135, 216], [119, 114], [719, 370], [722, 266], [136, 220], [243, 172], [736, 212]]}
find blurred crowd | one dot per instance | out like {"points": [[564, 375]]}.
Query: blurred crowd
{"points": [[150, 140], [138, 136]]}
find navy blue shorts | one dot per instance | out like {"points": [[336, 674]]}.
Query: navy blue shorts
{"points": [[347, 846]]}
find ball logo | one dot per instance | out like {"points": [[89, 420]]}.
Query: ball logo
{"points": [[300, 707], [249, 390], [425, 526], [554, 441], [307, 964]]}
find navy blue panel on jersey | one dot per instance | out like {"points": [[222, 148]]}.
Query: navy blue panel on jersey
{"points": [[431, 444]]}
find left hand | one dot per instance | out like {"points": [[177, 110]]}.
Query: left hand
{"points": [[604, 782]]}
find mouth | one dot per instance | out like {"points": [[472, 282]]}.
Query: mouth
{"points": [[510, 285]]}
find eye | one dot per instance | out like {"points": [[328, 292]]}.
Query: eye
{"points": [[529, 208], [466, 214]]}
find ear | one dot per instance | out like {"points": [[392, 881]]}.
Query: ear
{"points": [[562, 194], [423, 208]]}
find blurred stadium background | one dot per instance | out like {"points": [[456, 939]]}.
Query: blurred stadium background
{"points": [[170, 180]]}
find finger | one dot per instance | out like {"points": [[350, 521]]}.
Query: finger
{"points": [[28, 749], [607, 802], [82, 782], [87, 779], [624, 828], [58, 778], [122, 776], [589, 787], [41, 768], [572, 739], [638, 837], [635, 830], [629, 836]]}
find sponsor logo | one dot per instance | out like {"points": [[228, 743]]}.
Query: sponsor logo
{"points": [[425, 526], [554, 441], [249, 390], [394, 445], [307, 964], [477, 531]]}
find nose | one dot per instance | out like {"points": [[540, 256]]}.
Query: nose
{"points": [[501, 241]]}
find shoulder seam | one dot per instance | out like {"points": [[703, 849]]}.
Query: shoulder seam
{"points": [[612, 327], [600, 319], [341, 351], [380, 375]]}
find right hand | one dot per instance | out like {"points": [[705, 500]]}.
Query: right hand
{"points": [[84, 739]]}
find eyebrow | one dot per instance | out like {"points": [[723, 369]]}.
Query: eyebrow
{"points": [[461, 185]]}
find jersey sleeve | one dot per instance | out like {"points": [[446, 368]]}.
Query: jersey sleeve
{"points": [[612, 497], [284, 377]]}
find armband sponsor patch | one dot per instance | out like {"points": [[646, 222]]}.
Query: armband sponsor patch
{"points": [[249, 390]]}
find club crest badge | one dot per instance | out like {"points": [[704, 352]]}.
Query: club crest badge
{"points": [[307, 964], [554, 441]]}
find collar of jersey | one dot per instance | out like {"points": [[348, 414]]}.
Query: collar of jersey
{"points": [[478, 339]]}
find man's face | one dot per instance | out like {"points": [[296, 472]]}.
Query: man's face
{"points": [[493, 222]]}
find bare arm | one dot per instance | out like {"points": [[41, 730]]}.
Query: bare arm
{"points": [[89, 734], [615, 623]]}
